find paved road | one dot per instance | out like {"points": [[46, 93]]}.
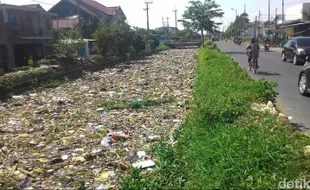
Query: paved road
{"points": [[285, 74]]}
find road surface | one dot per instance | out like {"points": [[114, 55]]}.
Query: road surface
{"points": [[285, 74]]}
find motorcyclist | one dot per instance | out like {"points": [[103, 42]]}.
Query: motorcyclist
{"points": [[252, 50], [266, 41]]}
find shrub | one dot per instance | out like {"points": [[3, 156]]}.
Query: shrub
{"points": [[69, 43], [120, 40]]}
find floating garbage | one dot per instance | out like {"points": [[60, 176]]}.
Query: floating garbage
{"points": [[97, 123]]}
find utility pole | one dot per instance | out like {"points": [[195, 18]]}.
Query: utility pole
{"points": [[268, 11], [235, 11], [79, 15], [163, 20], [255, 26], [244, 8], [283, 12], [176, 20], [168, 28], [223, 22], [147, 15], [258, 31]]}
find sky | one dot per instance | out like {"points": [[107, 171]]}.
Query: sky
{"points": [[136, 16]]}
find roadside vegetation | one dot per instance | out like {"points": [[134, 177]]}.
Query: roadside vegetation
{"points": [[223, 144]]}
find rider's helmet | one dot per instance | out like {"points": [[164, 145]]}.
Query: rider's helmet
{"points": [[252, 39]]}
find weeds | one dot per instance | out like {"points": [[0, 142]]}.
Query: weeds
{"points": [[162, 47]]}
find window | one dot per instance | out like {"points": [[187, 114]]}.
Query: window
{"points": [[303, 42]]}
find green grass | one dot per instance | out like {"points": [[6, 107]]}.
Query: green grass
{"points": [[162, 47], [223, 144]]}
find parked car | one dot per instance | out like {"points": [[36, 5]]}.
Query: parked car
{"points": [[296, 50], [304, 78]]}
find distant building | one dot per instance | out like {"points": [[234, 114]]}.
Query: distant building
{"points": [[67, 11], [165, 30]]}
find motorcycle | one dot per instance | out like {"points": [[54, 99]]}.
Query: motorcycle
{"points": [[237, 41], [266, 46]]}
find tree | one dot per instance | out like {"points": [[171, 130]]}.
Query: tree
{"points": [[119, 39], [198, 16], [90, 27], [241, 24], [69, 43]]}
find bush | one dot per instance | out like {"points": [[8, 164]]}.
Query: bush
{"points": [[7, 82], [120, 40], [5, 86]]}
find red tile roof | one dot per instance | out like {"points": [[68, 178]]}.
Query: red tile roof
{"points": [[89, 5], [107, 10], [83, 8]]}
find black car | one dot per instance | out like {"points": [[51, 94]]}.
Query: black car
{"points": [[296, 49], [304, 78]]}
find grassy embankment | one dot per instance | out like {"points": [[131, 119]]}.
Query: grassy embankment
{"points": [[223, 143]]}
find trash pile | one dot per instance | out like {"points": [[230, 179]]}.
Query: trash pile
{"points": [[269, 108], [88, 133]]}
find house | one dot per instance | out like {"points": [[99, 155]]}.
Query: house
{"points": [[67, 11], [24, 31], [163, 30]]}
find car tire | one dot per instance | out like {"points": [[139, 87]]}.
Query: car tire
{"points": [[303, 84], [283, 57], [295, 60]]}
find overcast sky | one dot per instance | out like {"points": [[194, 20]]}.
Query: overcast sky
{"points": [[163, 8]]}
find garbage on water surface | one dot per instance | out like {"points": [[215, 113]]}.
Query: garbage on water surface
{"points": [[101, 122]]}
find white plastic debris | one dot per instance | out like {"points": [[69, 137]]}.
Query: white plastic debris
{"points": [[101, 187], [18, 97], [100, 109], [64, 157], [141, 154], [270, 104], [144, 164]]}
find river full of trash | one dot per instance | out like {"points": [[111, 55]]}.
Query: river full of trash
{"points": [[88, 133]]}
